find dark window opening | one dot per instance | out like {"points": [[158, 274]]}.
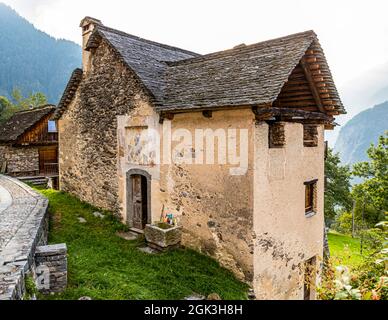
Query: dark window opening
{"points": [[277, 138], [311, 196], [310, 136]]}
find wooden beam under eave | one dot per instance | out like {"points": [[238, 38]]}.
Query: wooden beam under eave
{"points": [[314, 90]]}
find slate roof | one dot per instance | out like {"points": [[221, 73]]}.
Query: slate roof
{"points": [[246, 75], [146, 58], [22, 121], [252, 75]]}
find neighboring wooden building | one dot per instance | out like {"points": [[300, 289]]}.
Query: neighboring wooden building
{"points": [[258, 211], [29, 144]]}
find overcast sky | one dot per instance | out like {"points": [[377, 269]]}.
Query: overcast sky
{"points": [[354, 34]]}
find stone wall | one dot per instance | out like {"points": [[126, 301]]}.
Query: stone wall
{"points": [[21, 161], [24, 227], [52, 259], [26, 230], [88, 129], [3, 150]]}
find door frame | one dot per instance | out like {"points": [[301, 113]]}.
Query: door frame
{"points": [[137, 172]]}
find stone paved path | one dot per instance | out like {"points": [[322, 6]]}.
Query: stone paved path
{"points": [[13, 209], [5, 199], [23, 227]]}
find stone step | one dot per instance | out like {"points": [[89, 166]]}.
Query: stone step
{"points": [[35, 181], [32, 178]]}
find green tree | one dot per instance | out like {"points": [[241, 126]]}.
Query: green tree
{"points": [[19, 103], [337, 190], [34, 100], [7, 109], [4, 104], [374, 189]]}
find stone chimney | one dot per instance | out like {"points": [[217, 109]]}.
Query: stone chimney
{"points": [[87, 24]]}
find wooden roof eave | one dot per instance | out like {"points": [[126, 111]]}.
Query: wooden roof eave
{"points": [[291, 115]]}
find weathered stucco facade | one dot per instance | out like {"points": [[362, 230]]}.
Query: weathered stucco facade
{"points": [[285, 238], [215, 207], [248, 191]]}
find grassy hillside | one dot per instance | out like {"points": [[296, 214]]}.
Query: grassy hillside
{"points": [[345, 250], [102, 265]]}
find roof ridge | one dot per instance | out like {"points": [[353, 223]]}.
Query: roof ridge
{"points": [[166, 46], [45, 106], [245, 48]]}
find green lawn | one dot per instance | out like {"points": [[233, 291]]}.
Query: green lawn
{"points": [[101, 265], [345, 250]]}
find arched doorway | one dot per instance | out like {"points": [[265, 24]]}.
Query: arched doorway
{"points": [[138, 199]]}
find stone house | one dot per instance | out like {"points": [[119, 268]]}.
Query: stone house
{"points": [[29, 144], [250, 190]]}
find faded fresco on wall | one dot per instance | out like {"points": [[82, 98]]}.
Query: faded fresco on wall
{"points": [[141, 147]]}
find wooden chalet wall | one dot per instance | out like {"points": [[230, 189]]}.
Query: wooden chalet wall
{"points": [[38, 134]]}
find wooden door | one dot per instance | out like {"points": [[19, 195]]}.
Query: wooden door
{"points": [[48, 160], [139, 202]]}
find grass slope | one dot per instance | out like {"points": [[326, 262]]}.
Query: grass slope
{"points": [[103, 266], [345, 250]]}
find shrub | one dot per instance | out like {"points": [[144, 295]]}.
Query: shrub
{"points": [[343, 223]]}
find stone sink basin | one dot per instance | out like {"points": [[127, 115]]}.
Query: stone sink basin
{"points": [[161, 236]]}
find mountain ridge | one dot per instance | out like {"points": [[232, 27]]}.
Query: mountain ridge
{"points": [[32, 60], [360, 132]]}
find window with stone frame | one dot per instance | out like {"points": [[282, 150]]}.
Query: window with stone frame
{"points": [[311, 197], [277, 138]]}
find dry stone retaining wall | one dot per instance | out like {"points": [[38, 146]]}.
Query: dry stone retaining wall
{"points": [[52, 259], [23, 228]]}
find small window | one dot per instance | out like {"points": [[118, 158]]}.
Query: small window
{"points": [[52, 127], [310, 136], [310, 197], [277, 138]]}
